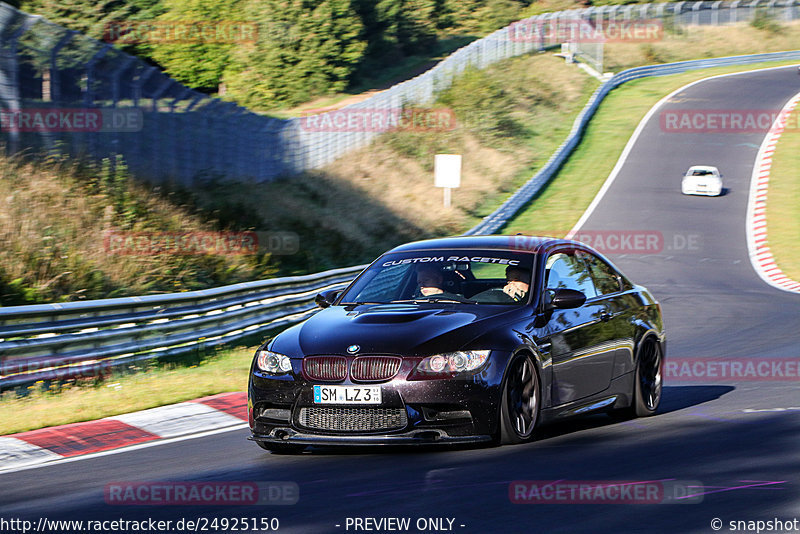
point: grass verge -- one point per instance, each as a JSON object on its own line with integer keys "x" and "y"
{"x": 783, "y": 214}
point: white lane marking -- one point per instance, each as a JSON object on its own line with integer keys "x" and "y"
{"x": 178, "y": 419}
{"x": 17, "y": 453}
{"x": 757, "y": 410}
{"x": 122, "y": 450}
{"x": 757, "y": 243}
{"x": 632, "y": 141}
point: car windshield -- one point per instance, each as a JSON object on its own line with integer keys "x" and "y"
{"x": 701, "y": 172}
{"x": 452, "y": 276}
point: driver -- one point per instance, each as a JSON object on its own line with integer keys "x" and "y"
{"x": 429, "y": 280}
{"x": 431, "y": 283}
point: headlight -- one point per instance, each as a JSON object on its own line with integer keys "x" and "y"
{"x": 453, "y": 362}
{"x": 273, "y": 363}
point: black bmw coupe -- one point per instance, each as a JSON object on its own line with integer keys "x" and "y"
{"x": 466, "y": 339}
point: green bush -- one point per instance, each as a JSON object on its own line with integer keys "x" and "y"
{"x": 482, "y": 105}
{"x": 765, "y": 21}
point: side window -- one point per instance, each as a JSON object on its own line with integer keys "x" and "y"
{"x": 570, "y": 272}
{"x": 605, "y": 278}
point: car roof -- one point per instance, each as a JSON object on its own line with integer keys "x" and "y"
{"x": 709, "y": 168}
{"x": 520, "y": 243}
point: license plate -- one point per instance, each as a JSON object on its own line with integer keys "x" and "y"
{"x": 347, "y": 394}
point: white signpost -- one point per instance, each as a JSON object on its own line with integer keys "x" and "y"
{"x": 447, "y": 174}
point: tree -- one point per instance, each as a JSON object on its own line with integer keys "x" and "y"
{"x": 481, "y": 16}
{"x": 89, "y": 17}
{"x": 304, "y": 48}
{"x": 398, "y": 27}
{"x": 199, "y": 56}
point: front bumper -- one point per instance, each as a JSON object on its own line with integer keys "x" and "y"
{"x": 421, "y": 412}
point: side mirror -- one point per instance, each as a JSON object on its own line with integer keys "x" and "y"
{"x": 567, "y": 298}
{"x": 326, "y": 298}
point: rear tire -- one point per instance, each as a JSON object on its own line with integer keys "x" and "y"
{"x": 281, "y": 448}
{"x": 519, "y": 409}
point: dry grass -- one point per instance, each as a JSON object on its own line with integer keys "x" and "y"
{"x": 701, "y": 42}
{"x": 53, "y": 220}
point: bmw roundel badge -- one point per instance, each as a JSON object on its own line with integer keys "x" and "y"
{"x": 352, "y": 349}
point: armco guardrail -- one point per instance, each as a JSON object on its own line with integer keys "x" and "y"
{"x": 169, "y": 131}
{"x": 497, "y": 219}
{"x": 52, "y": 341}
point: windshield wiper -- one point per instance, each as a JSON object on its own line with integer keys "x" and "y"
{"x": 421, "y": 300}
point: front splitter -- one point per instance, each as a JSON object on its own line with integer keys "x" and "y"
{"x": 426, "y": 437}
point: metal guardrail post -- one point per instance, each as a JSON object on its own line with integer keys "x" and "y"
{"x": 88, "y": 92}
{"x": 116, "y": 74}
{"x": 55, "y": 78}
{"x": 734, "y": 10}
{"x": 10, "y": 71}
{"x": 715, "y": 7}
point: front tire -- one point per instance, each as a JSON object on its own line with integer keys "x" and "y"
{"x": 519, "y": 409}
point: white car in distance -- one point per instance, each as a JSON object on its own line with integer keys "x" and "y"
{"x": 702, "y": 180}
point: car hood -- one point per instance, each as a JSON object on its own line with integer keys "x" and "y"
{"x": 405, "y": 329}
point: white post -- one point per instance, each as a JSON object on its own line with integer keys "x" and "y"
{"x": 447, "y": 174}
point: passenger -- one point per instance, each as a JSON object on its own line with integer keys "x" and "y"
{"x": 518, "y": 283}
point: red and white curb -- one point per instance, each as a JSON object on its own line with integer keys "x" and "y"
{"x": 77, "y": 439}
{"x": 757, "y": 244}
